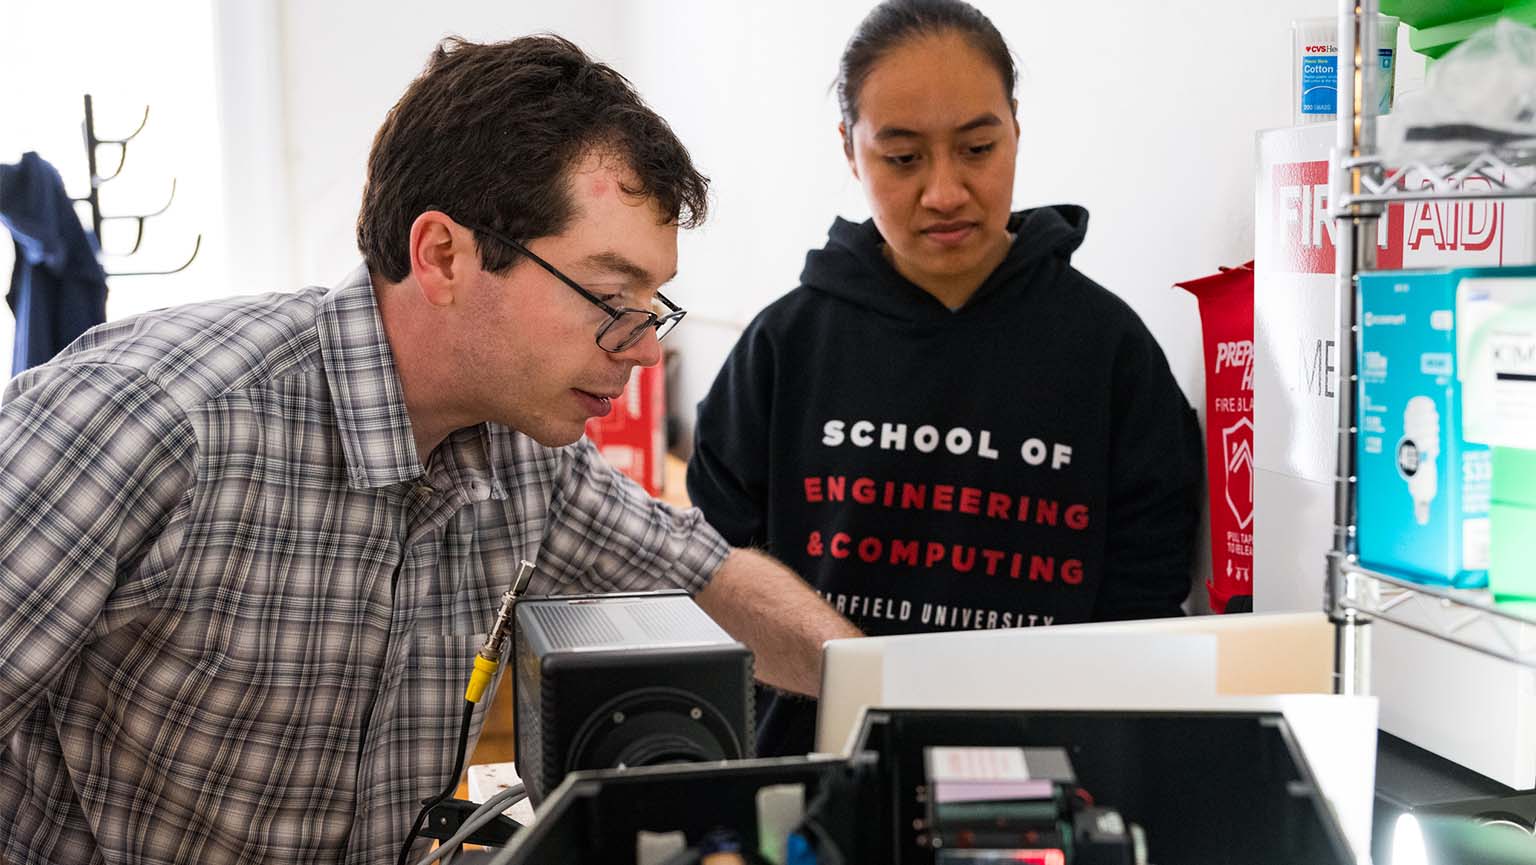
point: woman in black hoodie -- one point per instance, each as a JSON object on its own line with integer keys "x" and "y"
{"x": 947, "y": 426}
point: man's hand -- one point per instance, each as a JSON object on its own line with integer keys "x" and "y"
{"x": 762, "y": 603}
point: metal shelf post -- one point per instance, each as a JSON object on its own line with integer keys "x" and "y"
{"x": 1355, "y": 249}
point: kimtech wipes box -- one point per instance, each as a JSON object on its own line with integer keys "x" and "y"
{"x": 1423, "y": 489}
{"x": 1496, "y": 344}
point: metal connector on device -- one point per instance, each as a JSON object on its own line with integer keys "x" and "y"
{"x": 491, "y": 651}
{"x": 489, "y": 656}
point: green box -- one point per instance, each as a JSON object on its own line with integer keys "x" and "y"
{"x": 1522, "y": 608}
{"x": 1512, "y": 524}
{"x": 1437, "y": 40}
{"x": 1430, "y": 13}
{"x": 1514, "y": 477}
{"x": 1512, "y": 551}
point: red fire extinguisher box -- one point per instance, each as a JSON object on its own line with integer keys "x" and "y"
{"x": 1226, "y": 318}
{"x": 633, "y": 436}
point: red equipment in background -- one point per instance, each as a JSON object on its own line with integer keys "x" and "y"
{"x": 633, "y": 436}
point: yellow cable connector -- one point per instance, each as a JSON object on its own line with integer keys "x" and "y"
{"x": 480, "y": 679}
{"x": 489, "y": 656}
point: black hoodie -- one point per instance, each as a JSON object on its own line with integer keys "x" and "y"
{"x": 1027, "y": 459}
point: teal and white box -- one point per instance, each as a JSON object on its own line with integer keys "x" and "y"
{"x": 1423, "y": 491}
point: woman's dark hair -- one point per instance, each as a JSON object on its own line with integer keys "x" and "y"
{"x": 894, "y": 22}
{"x": 488, "y": 133}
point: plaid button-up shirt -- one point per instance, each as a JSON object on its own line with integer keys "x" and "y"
{"x": 237, "y": 615}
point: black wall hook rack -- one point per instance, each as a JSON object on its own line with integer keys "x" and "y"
{"x": 93, "y": 198}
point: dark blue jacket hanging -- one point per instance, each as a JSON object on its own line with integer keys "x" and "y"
{"x": 58, "y": 288}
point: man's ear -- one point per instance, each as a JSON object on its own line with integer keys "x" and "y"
{"x": 842, "y": 133}
{"x": 443, "y": 257}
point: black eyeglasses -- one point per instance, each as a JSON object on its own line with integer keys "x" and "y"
{"x": 625, "y": 325}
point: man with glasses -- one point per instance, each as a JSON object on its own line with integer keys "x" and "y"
{"x": 625, "y": 326}
{"x": 248, "y": 548}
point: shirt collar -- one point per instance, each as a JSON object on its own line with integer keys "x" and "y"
{"x": 376, "y": 433}
{"x": 365, "y": 386}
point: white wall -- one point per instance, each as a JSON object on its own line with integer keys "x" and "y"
{"x": 748, "y": 90}
{"x": 346, "y": 62}
{"x": 1145, "y": 113}
{"x": 127, "y": 56}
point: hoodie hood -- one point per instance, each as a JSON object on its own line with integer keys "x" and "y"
{"x": 853, "y": 267}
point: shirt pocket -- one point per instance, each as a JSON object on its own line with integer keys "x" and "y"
{"x": 432, "y": 699}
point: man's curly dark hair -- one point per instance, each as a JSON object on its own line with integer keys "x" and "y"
{"x": 489, "y": 133}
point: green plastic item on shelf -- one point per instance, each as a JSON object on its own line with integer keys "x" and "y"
{"x": 1435, "y": 41}
{"x": 1512, "y": 551}
{"x": 1518, "y": 607}
{"x": 1431, "y": 13}
{"x": 1512, "y": 524}
{"x": 1514, "y": 476}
